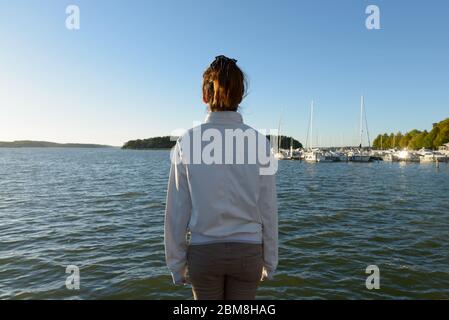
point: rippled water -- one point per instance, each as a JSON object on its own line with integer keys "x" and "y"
{"x": 102, "y": 210}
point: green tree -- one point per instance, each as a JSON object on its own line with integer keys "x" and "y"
{"x": 416, "y": 139}
{"x": 429, "y": 140}
{"x": 442, "y": 137}
{"x": 417, "y": 142}
{"x": 386, "y": 142}
{"x": 377, "y": 143}
{"x": 409, "y": 136}
{"x": 392, "y": 138}
{"x": 398, "y": 139}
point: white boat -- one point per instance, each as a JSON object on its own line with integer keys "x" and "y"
{"x": 314, "y": 155}
{"x": 279, "y": 153}
{"x": 359, "y": 155}
{"x": 338, "y": 156}
{"x": 444, "y": 150}
{"x": 329, "y": 156}
{"x": 293, "y": 154}
{"x": 427, "y": 156}
{"x": 341, "y": 155}
{"x": 407, "y": 156}
{"x": 389, "y": 156}
{"x": 440, "y": 157}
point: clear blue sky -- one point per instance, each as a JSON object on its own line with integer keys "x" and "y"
{"x": 134, "y": 69}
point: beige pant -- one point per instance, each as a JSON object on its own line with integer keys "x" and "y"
{"x": 225, "y": 271}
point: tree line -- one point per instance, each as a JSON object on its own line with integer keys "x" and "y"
{"x": 167, "y": 142}
{"x": 287, "y": 141}
{"x": 415, "y": 139}
{"x": 151, "y": 143}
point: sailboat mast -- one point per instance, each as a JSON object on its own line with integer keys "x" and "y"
{"x": 366, "y": 124}
{"x": 361, "y": 121}
{"x": 279, "y": 135}
{"x": 311, "y": 125}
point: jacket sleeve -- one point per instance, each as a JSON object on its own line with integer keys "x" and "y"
{"x": 269, "y": 216}
{"x": 177, "y": 216}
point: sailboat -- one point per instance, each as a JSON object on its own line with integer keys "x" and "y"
{"x": 359, "y": 155}
{"x": 290, "y": 155}
{"x": 279, "y": 154}
{"x": 293, "y": 154}
{"x": 312, "y": 155}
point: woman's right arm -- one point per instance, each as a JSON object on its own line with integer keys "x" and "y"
{"x": 269, "y": 215}
{"x": 177, "y": 216}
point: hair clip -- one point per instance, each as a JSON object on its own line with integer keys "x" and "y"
{"x": 220, "y": 61}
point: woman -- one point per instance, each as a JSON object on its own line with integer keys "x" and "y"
{"x": 221, "y": 226}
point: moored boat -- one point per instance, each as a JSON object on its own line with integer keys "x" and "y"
{"x": 407, "y": 156}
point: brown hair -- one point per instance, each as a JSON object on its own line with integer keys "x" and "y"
{"x": 224, "y": 85}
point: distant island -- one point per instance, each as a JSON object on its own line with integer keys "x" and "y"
{"x": 46, "y": 144}
{"x": 286, "y": 142}
{"x": 150, "y": 143}
{"x": 167, "y": 142}
{"x": 415, "y": 139}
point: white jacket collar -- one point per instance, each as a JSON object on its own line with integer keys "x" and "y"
{"x": 224, "y": 117}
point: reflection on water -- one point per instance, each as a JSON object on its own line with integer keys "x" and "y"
{"x": 102, "y": 210}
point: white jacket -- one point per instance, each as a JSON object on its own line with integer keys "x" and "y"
{"x": 219, "y": 194}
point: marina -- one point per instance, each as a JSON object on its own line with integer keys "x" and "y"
{"x": 354, "y": 154}
{"x": 360, "y": 153}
